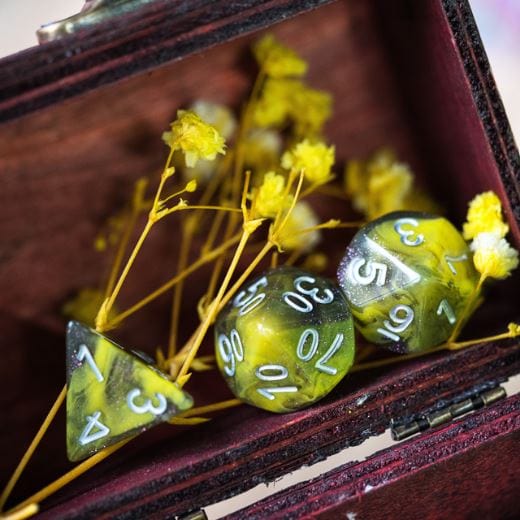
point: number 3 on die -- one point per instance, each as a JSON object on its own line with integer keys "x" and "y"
{"x": 302, "y": 301}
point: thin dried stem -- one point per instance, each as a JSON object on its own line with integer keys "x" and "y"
{"x": 202, "y": 410}
{"x": 69, "y": 476}
{"x": 187, "y": 236}
{"x": 32, "y": 447}
{"x": 21, "y": 514}
{"x": 213, "y": 308}
{"x": 173, "y": 281}
{"x": 274, "y": 259}
{"x": 136, "y": 208}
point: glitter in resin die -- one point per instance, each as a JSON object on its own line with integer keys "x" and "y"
{"x": 407, "y": 277}
{"x": 286, "y": 340}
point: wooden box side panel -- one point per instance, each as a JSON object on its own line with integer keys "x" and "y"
{"x": 247, "y": 446}
{"x": 453, "y": 102}
{"x": 468, "y": 469}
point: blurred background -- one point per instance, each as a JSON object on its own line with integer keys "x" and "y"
{"x": 498, "y": 20}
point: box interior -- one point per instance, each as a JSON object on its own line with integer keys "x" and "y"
{"x": 397, "y": 81}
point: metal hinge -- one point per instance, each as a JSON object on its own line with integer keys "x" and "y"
{"x": 198, "y": 514}
{"x": 448, "y": 414}
{"x": 92, "y": 13}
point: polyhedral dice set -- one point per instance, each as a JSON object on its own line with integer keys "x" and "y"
{"x": 287, "y": 338}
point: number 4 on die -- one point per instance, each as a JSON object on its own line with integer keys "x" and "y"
{"x": 112, "y": 394}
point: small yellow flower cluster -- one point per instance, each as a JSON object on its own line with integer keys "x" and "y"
{"x": 290, "y": 100}
{"x": 293, "y": 235}
{"x": 485, "y": 215}
{"x": 110, "y": 236}
{"x": 513, "y": 329}
{"x": 217, "y": 115}
{"x": 381, "y": 185}
{"x": 492, "y": 255}
{"x": 222, "y": 118}
{"x": 270, "y": 198}
{"x": 276, "y": 60}
{"x": 196, "y": 139}
{"x": 315, "y": 160}
{"x": 85, "y": 305}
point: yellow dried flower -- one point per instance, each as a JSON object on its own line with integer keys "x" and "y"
{"x": 85, "y": 306}
{"x": 291, "y": 236}
{"x": 513, "y": 329}
{"x": 112, "y": 232}
{"x": 225, "y": 122}
{"x": 309, "y": 109}
{"x": 388, "y": 188}
{"x": 284, "y": 100}
{"x": 277, "y": 60}
{"x": 219, "y": 116}
{"x": 380, "y": 185}
{"x": 270, "y": 196}
{"x": 273, "y": 106}
{"x": 485, "y": 216}
{"x": 191, "y": 186}
{"x": 196, "y": 139}
{"x": 314, "y": 159}
{"x": 493, "y": 256}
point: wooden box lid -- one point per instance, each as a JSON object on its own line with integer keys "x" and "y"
{"x": 81, "y": 120}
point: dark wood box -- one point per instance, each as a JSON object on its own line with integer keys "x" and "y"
{"x": 81, "y": 120}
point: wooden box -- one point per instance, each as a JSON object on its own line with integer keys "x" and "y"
{"x": 81, "y": 120}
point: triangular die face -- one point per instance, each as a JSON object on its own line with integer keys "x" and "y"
{"x": 372, "y": 273}
{"x": 112, "y": 394}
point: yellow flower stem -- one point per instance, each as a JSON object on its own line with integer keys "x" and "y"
{"x": 463, "y": 344}
{"x": 243, "y": 277}
{"x": 279, "y": 227}
{"x": 164, "y": 212}
{"x": 315, "y": 187}
{"x": 137, "y": 205}
{"x": 189, "y": 227}
{"x": 216, "y": 179}
{"x": 274, "y": 259}
{"x": 69, "y": 476}
{"x": 202, "y": 410}
{"x": 205, "y": 259}
{"x": 187, "y": 231}
{"x": 265, "y": 250}
{"x": 21, "y": 514}
{"x": 188, "y": 421}
{"x": 461, "y": 321}
{"x": 213, "y": 232}
{"x": 294, "y": 256}
{"x": 213, "y": 307}
{"x": 101, "y": 324}
{"x": 104, "y": 311}
{"x": 331, "y": 225}
{"x": 244, "y": 127}
{"x": 32, "y": 447}
{"x": 445, "y": 346}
